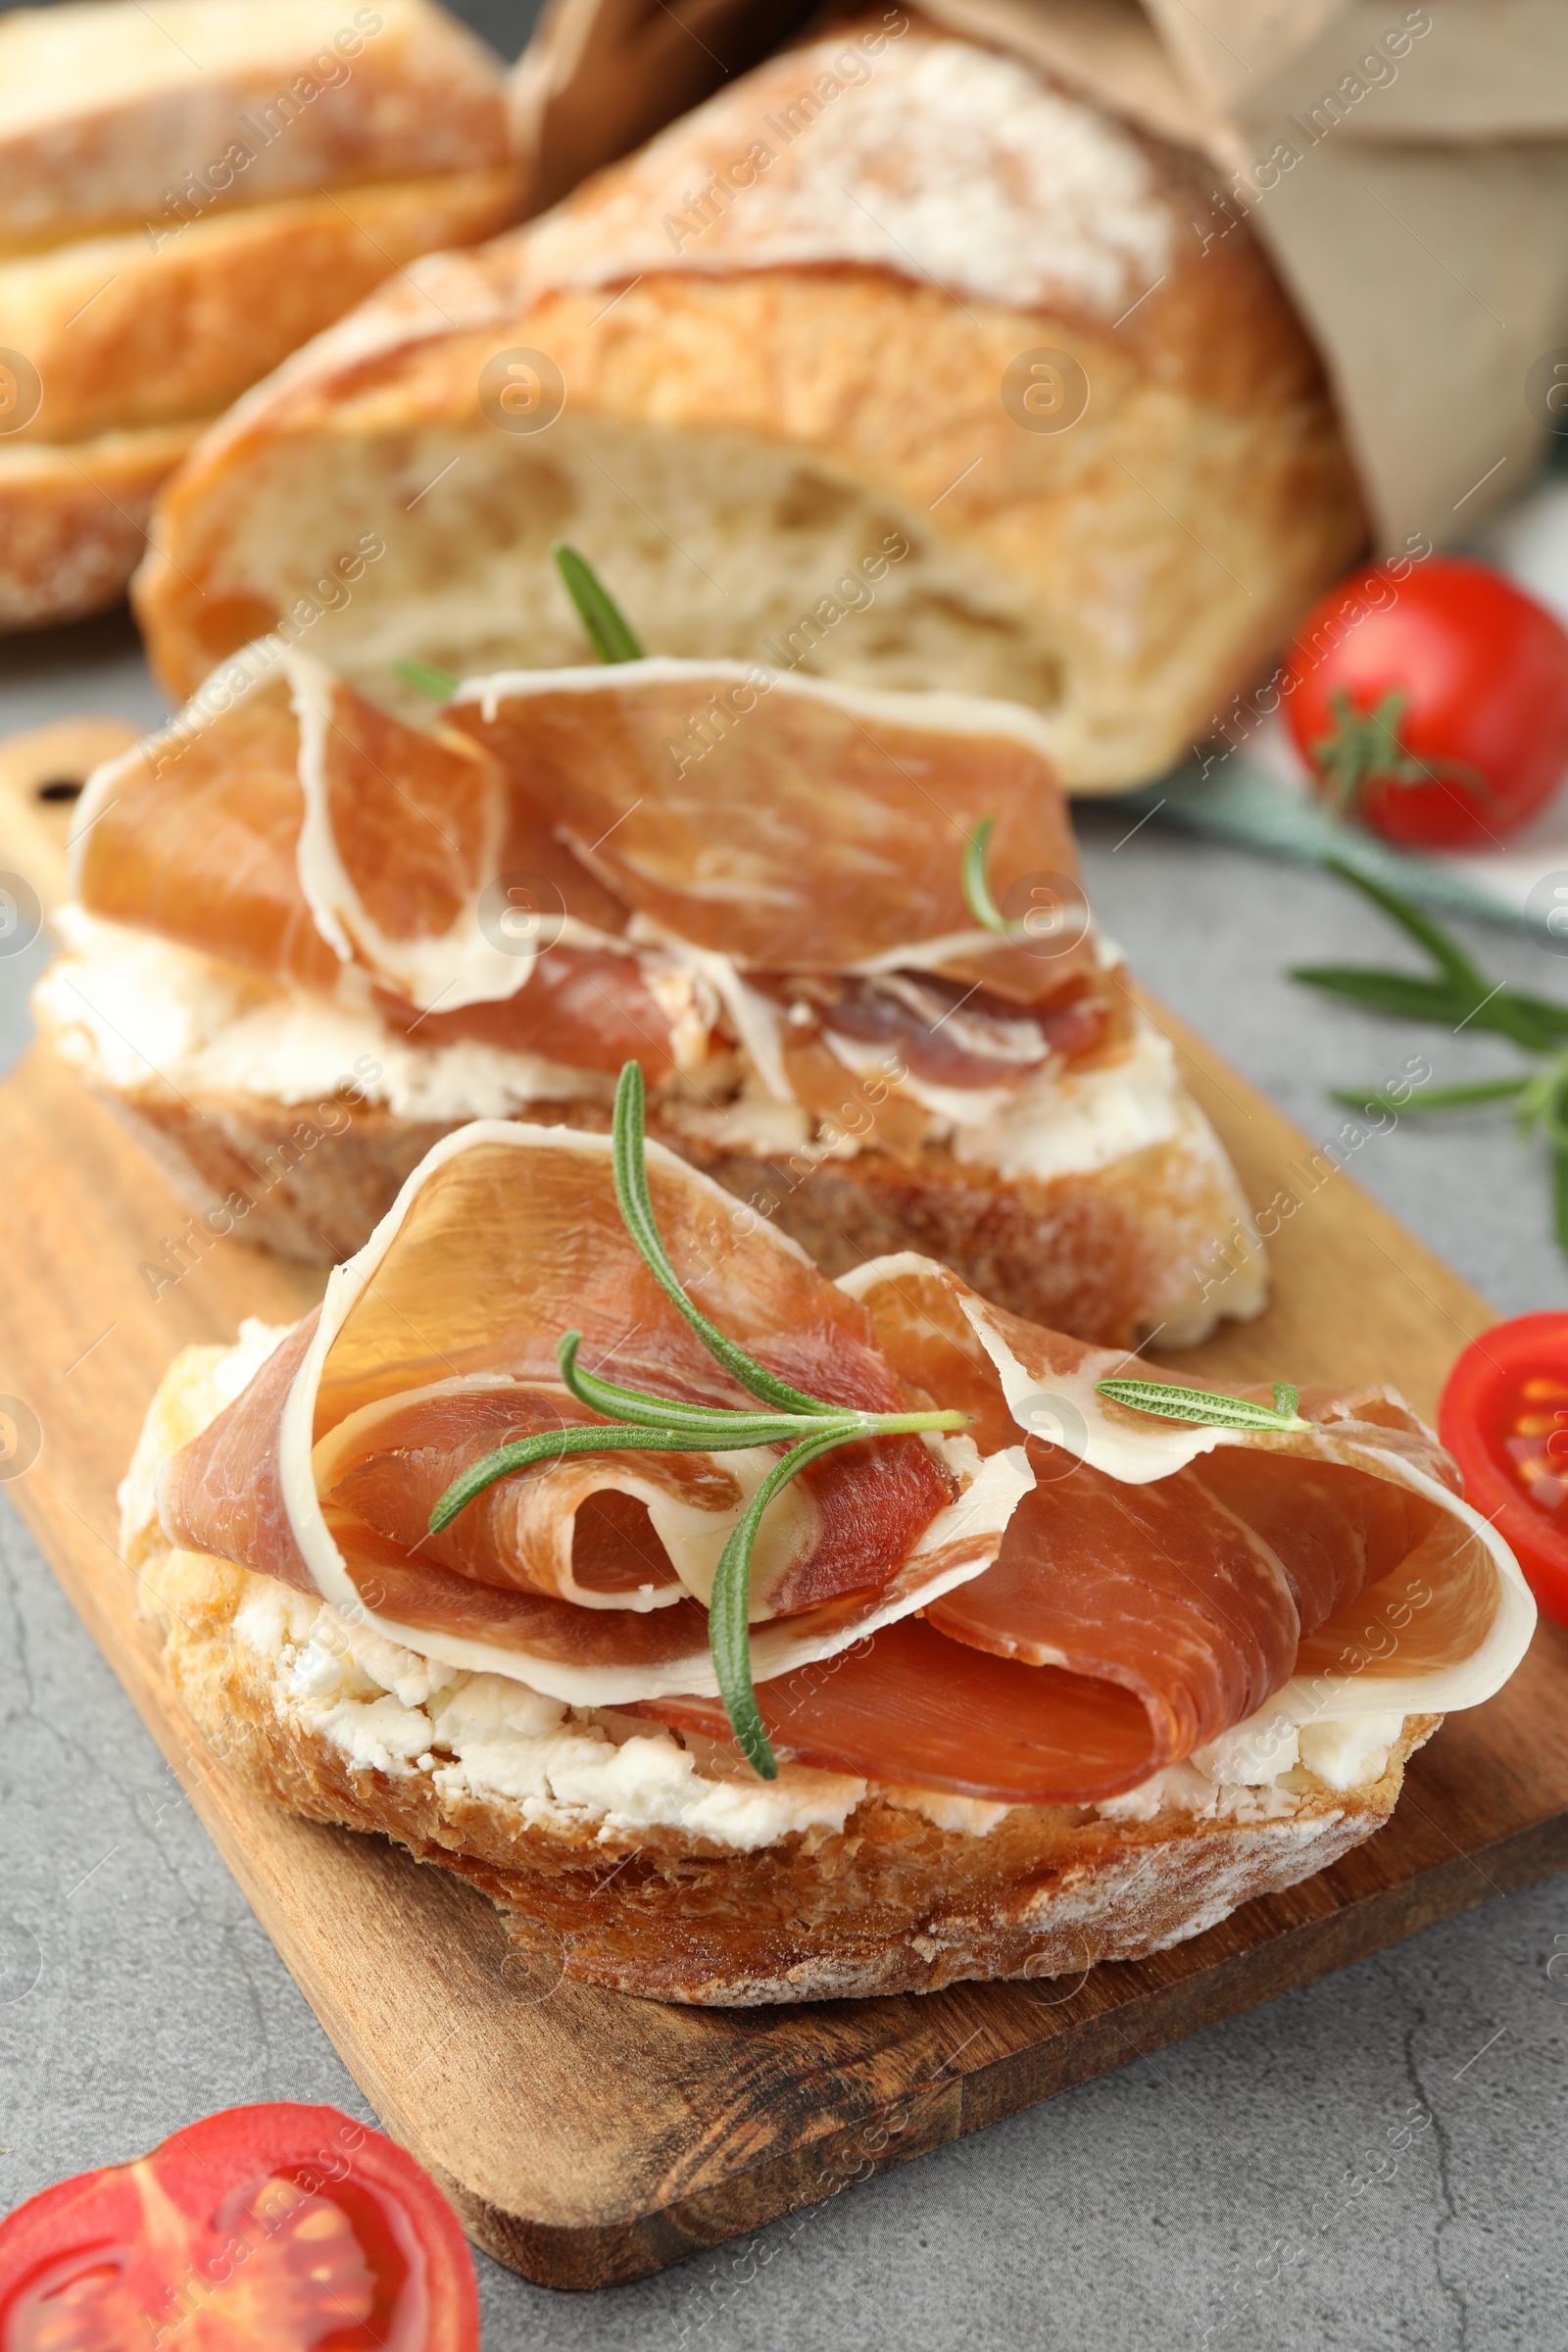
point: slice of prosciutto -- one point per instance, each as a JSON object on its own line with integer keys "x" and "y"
{"x": 536, "y": 872}
{"x": 796, "y": 825}
{"x": 1169, "y": 1578}
{"x": 588, "y": 1576}
{"x": 1047, "y": 1609}
{"x": 301, "y": 832}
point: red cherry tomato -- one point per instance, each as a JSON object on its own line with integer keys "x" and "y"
{"x": 1432, "y": 708}
{"x": 277, "y": 2229}
{"x": 1505, "y": 1419}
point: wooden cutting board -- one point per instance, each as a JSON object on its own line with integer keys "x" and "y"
{"x": 586, "y": 2137}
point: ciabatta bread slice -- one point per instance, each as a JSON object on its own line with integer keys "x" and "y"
{"x": 73, "y": 519}
{"x": 123, "y": 335}
{"x": 628, "y": 1855}
{"x": 112, "y": 114}
{"x": 182, "y": 204}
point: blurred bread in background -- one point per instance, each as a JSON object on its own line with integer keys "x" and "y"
{"x": 185, "y": 199}
{"x": 891, "y": 288}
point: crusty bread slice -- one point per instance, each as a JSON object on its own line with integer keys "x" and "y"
{"x": 123, "y": 335}
{"x": 185, "y": 199}
{"x": 136, "y": 350}
{"x": 855, "y": 1890}
{"x": 1113, "y": 1253}
{"x": 73, "y": 519}
{"x": 109, "y": 110}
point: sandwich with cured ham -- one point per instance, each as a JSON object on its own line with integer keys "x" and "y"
{"x": 749, "y": 1637}
{"x": 843, "y": 932}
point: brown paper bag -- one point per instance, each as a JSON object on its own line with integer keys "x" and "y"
{"x": 1406, "y": 167}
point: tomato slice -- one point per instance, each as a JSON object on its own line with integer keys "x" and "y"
{"x": 1505, "y": 1419}
{"x": 275, "y": 2229}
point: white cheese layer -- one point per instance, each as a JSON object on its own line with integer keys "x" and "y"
{"x": 1066, "y": 1124}
{"x": 132, "y": 1009}
{"x": 568, "y": 1769}
{"x": 486, "y": 1736}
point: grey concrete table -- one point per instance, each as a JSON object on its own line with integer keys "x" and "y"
{"x": 1205, "y": 2194}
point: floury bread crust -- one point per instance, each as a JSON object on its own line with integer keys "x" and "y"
{"x": 730, "y": 401}
{"x": 879, "y": 1892}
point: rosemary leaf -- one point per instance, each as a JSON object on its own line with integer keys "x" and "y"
{"x": 425, "y": 678}
{"x": 717, "y": 1428}
{"x": 610, "y": 632}
{"x": 1427, "y": 932}
{"x": 978, "y": 879}
{"x": 1551, "y": 1018}
{"x": 549, "y": 1446}
{"x": 636, "y": 1421}
{"x": 1534, "y": 1025}
{"x": 1437, "y": 1098}
{"x": 1544, "y": 1105}
{"x": 1403, "y": 994}
{"x": 729, "y": 1607}
{"x": 637, "y": 1208}
{"x": 1171, "y": 1402}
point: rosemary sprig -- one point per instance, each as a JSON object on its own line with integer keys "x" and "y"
{"x": 639, "y": 1421}
{"x": 1458, "y": 994}
{"x": 426, "y": 678}
{"x": 1174, "y": 1403}
{"x": 977, "y": 878}
{"x": 610, "y": 632}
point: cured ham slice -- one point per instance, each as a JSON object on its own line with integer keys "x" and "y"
{"x": 1048, "y": 1609}
{"x": 911, "y": 1707}
{"x": 540, "y": 881}
{"x": 306, "y": 835}
{"x": 805, "y": 827}
{"x": 439, "y": 1340}
{"x": 588, "y": 1008}
{"x": 199, "y": 842}
{"x": 606, "y": 1530}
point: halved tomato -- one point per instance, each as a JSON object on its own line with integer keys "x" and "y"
{"x": 275, "y": 2229}
{"x": 1505, "y": 1419}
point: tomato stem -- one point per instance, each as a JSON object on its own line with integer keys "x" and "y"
{"x": 1366, "y": 748}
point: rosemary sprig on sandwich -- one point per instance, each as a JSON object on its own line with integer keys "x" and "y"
{"x": 807, "y": 1425}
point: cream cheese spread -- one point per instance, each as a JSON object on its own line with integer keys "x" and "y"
{"x": 134, "y": 1010}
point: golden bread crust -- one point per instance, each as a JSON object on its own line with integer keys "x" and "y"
{"x": 136, "y": 349}
{"x": 124, "y": 334}
{"x": 120, "y": 111}
{"x": 74, "y": 520}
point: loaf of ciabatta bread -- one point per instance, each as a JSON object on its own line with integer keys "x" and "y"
{"x": 893, "y": 282}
